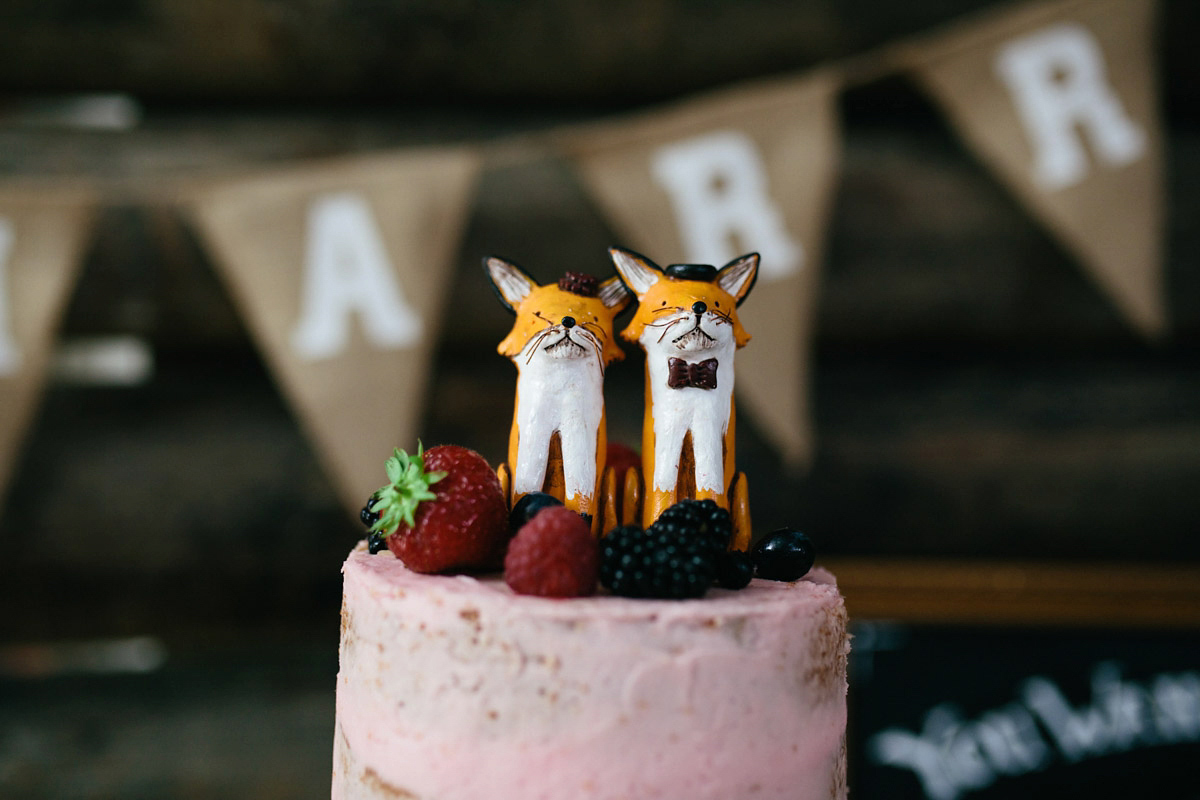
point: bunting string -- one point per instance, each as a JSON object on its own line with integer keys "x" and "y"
{"x": 340, "y": 267}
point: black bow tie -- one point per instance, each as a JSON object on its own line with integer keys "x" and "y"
{"x": 701, "y": 376}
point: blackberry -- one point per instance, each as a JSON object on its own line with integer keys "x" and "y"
{"x": 701, "y": 519}
{"x": 376, "y": 542}
{"x": 368, "y": 516}
{"x": 662, "y": 561}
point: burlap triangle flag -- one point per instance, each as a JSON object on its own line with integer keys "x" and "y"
{"x": 340, "y": 271}
{"x": 1059, "y": 99}
{"x": 42, "y": 238}
{"x": 750, "y": 169}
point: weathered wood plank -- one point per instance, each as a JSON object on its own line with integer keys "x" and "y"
{"x": 1019, "y": 593}
{"x": 246, "y": 714}
{"x": 544, "y": 51}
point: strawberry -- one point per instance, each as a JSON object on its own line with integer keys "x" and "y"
{"x": 443, "y": 510}
{"x": 553, "y": 555}
{"x": 621, "y": 457}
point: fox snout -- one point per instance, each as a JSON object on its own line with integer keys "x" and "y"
{"x": 566, "y": 340}
{"x": 693, "y": 330}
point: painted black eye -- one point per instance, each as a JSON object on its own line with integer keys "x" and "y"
{"x": 716, "y": 303}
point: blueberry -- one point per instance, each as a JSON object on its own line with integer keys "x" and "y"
{"x": 376, "y": 542}
{"x": 784, "y": 555}
{"x": 528, "y": 507}
{"x": 368, "y": 516}
{"x": 734, "y": 570}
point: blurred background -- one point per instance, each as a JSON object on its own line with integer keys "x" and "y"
{"x": 1005, "y": 475}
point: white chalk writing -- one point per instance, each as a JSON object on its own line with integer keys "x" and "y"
{"x": 953, "y": 756}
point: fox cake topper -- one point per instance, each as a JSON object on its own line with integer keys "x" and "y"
{"x": 561, "y": 342}
{"x": 687, "y": 323}
{"x": 670, "y": 523}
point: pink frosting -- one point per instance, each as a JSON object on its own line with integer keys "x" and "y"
{"x": 454, "y": 688}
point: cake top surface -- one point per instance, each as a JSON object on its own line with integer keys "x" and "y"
{"x": 384, "y": 575}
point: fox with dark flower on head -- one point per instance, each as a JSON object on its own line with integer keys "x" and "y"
{"x": 561, "y": 342}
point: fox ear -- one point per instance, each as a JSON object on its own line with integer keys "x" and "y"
{"x": 614, "y": 295}
{"x": 637, "y": 272}
{"x": 738, "y": 276}
{"x": 510, "y": 283}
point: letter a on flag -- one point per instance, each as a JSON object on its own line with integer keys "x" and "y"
{"x": 340, "y": 271}
{"x": 1059, "y": 100}
{"x": 748, "y": 170}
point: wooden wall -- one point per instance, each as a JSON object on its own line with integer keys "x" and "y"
{"x": 997, "y": 450}
{"x": 975, "y": 395}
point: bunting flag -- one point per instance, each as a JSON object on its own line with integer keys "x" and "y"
{"x": 720, "y": 176}
{"x": 42, "y": 236}
{"x": 340, "y": 271}
{"x": 1059, "y": 99}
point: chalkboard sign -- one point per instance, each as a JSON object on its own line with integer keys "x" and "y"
{"x": 982, "y": 714}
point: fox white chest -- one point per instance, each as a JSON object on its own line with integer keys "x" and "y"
{"x": 704, "y": 413}
{"x": 563, "y": 396}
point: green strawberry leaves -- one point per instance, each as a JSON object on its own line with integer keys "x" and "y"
{"x": 408, "y": 487}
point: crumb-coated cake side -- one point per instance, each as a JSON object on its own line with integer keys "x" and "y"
{"x": 456, "y": 688}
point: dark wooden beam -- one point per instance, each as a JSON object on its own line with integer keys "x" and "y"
{"x": 1019, "y": 593}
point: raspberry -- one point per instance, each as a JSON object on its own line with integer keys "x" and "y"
{"x": 443, "y": 510}
{"x": 621, "y": 457}
{"x": 553, "y": 555}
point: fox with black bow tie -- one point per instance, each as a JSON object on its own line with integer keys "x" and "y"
{"x": 561, "y": 341}
{"x": 687, "y": 323}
